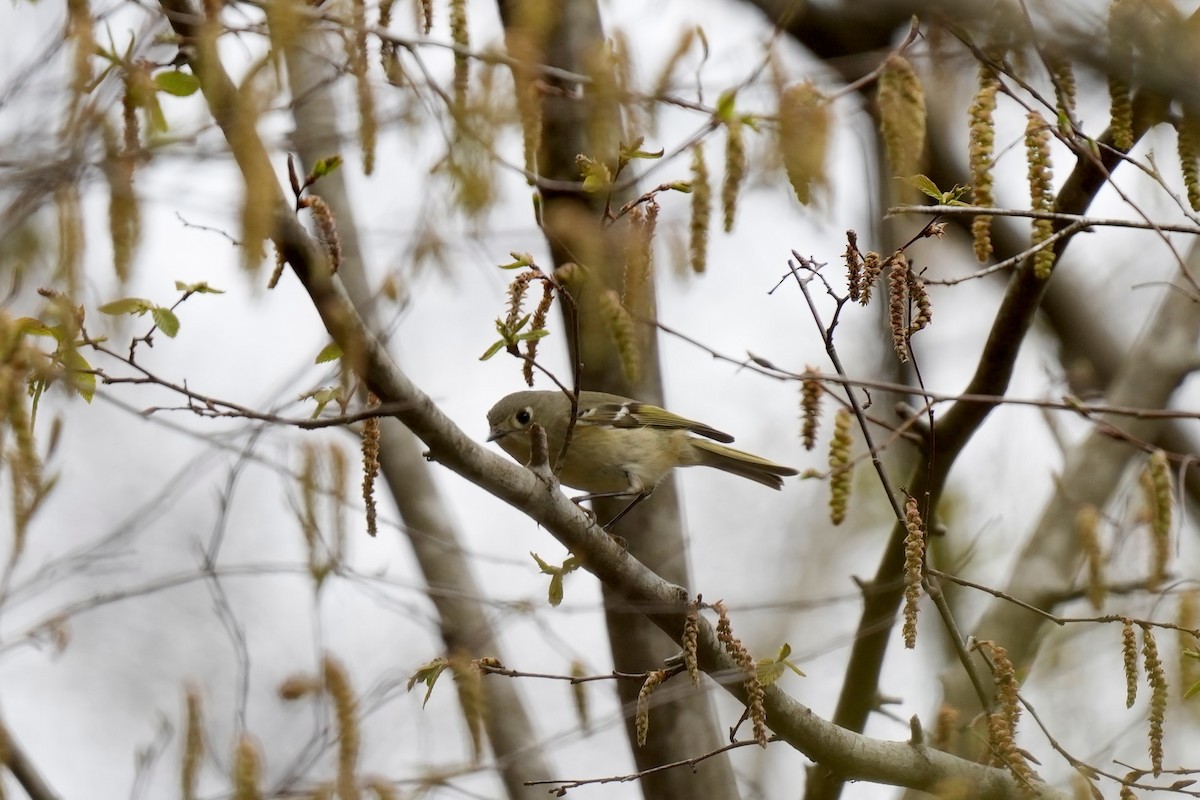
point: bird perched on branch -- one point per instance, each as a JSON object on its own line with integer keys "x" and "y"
{"x": 620, "y": 448}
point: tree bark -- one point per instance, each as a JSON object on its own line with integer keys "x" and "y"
{"x": 575, "y": 227}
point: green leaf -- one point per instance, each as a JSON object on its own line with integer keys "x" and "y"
{"x": 127, "y": 305}
{"x": 1192, "y": 691}
{"x": 555, "y": 595}
{"x": 35, "y": 327}
{"x": 174, "y": 82}
{"x": 330, "y": 352}
{"x": 725, "y": 105}
{"x": 542, "y": 565}
{"x": 532, "y": 336}
{"x": 197, "y": 288}
{"x": 634, "y": 150}
{"x": 522, "y": 260}
{"x": 324, "y": 166}
{"x": 681, "y": 186}
{"x": 324, "y": 396}
{"x": 925, "y": 186}
{"x": 81, "y": 377}
{"x": 428, "y": 675}
{"x": 596, "y": 175}
{"x": 771, "y": 669}
{"x": 166, "y": 320}
{"x": 491, "y": 351}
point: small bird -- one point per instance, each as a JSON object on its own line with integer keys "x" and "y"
{"x": 620, "y": 447}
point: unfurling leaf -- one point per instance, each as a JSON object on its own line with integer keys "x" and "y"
{"x": 174, "y": 82}
{"x": 330, "y": 352}
{"x": 201, "y": 287}
{"x": 925, "y": 186}
{"x": 80, "y": 374}
{"x": 166, "y": 320}
{"x": 127, "y": 305}
{"x": 323, "y": 167}
{"x": 428, "y": 675}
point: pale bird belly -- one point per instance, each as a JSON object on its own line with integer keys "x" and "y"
{"x": 603, "y": 459}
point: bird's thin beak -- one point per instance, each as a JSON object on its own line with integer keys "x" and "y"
{"x": 495, "y": 434}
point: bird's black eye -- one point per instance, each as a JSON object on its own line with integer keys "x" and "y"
{"x": 524, "y": 416}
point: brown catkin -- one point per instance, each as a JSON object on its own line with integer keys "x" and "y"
{"x": 1120, "y": 63}
{"x": 901, "y": 102}
{"x": 1157, "y": 678}
{"x": 914, "y": 560}
{"x": 247, "y": 770}
{"x": 124, "y": 216}
{"x": 1004, "y": 674}
{"x": 70, "y": 236}
{"x": 1064, "y": 84}
{"x": 388, "y": 60}
{"x": 1160, "y": 523}
{"x": 345, "y": 708}
{"x": 872, "y": 269}
{"x": 81, "y": 28}
{"x": 1005, "y": 751}
{"x": 517, "y": 289}
{"x": 982, "y": 132}
{"x": 1188, "y": 620}
{"x": 810, "y": 408}
{"x": 1129, "y": 654}
{"x": 356, "y": 46}
{"x": 339, "y": 469}
{"x": 1041, "y": 190}
{"x": 854, "y": 267}
{"x": 945, "y": 729}
{"x": 277, "y": 273}
{"x": 460, "y": 35}
{"x": 1002, "y": 723}
{"x": 753, "y": 685}
{"x": 804, "y": 126}
{"x": 735, "y": 169}
{"x": 919, "y": 293}
{"x": 839, "y": 466}
{"x": 642, "y": 715}
{"x": 639, "y": 257}
{"x": 898, "y": 304}
{"x": 537, "y": 323}
{"x": 621, "y": 327}
{"x": 691, "y": 634}
{"x": 296, "y": 687}
{"x": 370, "y": 457}
{"x": 193, "y": 744}
{"x": 326, "y": 229}
{"x": 1087, "y": 528}
{"x": 1188, "y": 138}
{"x": 701, "y": 212}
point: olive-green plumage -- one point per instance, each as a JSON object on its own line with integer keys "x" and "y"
{"x": 620, "y": 447}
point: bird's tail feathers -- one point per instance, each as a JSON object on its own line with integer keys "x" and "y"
{"x": 742, "y": 463}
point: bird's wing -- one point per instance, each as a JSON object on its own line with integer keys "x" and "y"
{"x": 644, "y": 415}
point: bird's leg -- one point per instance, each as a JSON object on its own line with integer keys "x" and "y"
{"x": 636, "y": 490}
{"x": 626, "y": 510}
